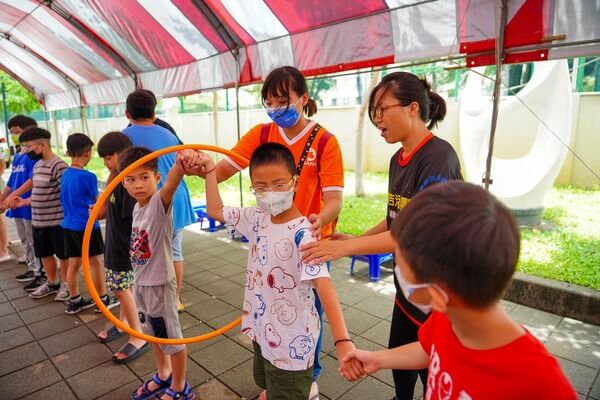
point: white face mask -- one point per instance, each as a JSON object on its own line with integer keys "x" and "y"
{"x": 409, "y": 288}
{"x": 274, "y": 203}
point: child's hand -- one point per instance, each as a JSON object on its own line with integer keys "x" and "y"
{"x": 188, "y": 159}
{"x": 351, "y": 369}
{"x": 316, "y": 225}
{"x": 368, "y": 359}
{"x": 17, "y": 202}
{"x": 6, "y": 203}
{"x": 204, "y": 165}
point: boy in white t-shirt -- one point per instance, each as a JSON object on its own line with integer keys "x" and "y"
{"x": 279, "y": 305}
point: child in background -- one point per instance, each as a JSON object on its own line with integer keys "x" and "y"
{"x": 46, "y": 210}
{"x": 152, "y": 260}
{"x": 456, "y": 251}
{"x": 79, "y": 190}
{"x": 279, "y": 313}
{"x": 21, "y": 172}
{"x": 119, "y": 273}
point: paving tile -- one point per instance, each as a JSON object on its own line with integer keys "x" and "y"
{"x": 540, "y": 323}
{"x": 508, "y": 306}
{"x": 16, "y": 293}
{"x": 42, "y": 312}
{"x": 197, "y": 331}
{"x": 595, "y": 392}
{"x": 10, "y": 283}
{"x": 3, "y": 298}
{"x": 59, "y": 390}
{"x": 201, "y": 279}
{"x": 243, "y": 340}
{"x": 349, "y": 296}
{"x": 221, "y": 356}
{"x": 195, "y": 374}
{"x": 331, "y": 384}
{"x": 229, "y": 269}
{"x": 359, "y": 321}
{"x": 579, "y": 330}
{"x": 219, "y": 250}
{"x": 214, "y": 390}
{"x": 54, "y": 325}
{"x": 239, "y": 278}
{"x": 580, "y": 376}
{"x": 379, "y": 333}
{"x": 20, "y": 357}
{"x": 369, "y": 388}
{"x": 100, "y": 380}
{"x": 67, "y": 340}
{"x": 27, "y": 302}
{"x": 124, "y": 392}
{"x": 376, "y": 306}
{"x": 6, "y": 309}
{"x": 577, "y": 349}
{"x": 9, "y": 322}
{"x": 187, "y": 320}
{"x": 194, "y": 296}
{"x": 28, "y": 380}
{"x": 210, "y": 309}
{"x": 222, "y": 287}
{"x": 81, "y": 358}
{"x": 14, "y": 338}
{"x": 241, "y": 380}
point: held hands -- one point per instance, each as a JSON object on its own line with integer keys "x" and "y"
{"x": 15, "y": 202}
{"x": 195, "y": 162}
{"x": 366, "y": 359}
{"x": 349, "y": 367}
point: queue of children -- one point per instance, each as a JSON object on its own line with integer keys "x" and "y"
{"x": 456, "y": 249}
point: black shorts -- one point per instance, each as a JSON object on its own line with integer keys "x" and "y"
{"x": 74, "y": 243}
{"x": 49, "y": 241}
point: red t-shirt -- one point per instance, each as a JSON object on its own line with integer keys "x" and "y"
{"x": 522, "y": 369}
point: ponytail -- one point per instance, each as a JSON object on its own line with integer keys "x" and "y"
{"x": 310, "y": 108}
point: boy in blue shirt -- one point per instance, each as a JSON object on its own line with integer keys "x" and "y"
{"x": 79, "y": 191}
{"x": 21, "y": 172}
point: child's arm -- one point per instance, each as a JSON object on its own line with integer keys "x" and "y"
{"x": 24, "y": 188}
{"x": 410, "y": 356}
{"x": 351, "y": 369}
{"x": 214, "y": 204}
{"x": 174, "y": 177}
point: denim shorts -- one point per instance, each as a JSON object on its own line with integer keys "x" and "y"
{"x": 177, "y": 245}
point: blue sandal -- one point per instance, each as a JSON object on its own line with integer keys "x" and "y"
{"x": 149, "y": 394}
{"x": 185, "y": 394}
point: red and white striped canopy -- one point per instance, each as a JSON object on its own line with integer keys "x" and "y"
{"x": 74, "y": 52}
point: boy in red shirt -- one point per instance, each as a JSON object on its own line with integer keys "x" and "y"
{"x": 456, "y": 251}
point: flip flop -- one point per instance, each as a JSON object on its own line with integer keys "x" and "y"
{"x": 112, "y": 333}
{"x": 131, "y": 352}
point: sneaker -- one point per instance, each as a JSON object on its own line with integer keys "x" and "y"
{"x": 44, "y": 290}
{"x": 22, "y": 260}
{"x": 81, "y": 303}
{"x": 63, "y": 293}
{"x": 35, "y": 283}
{"x": 314, "y": 392}
{"x": 109, "y": 302}
{"x": 26, "y": 277}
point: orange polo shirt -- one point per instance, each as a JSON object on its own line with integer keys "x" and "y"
{"x": 314, "y": 179}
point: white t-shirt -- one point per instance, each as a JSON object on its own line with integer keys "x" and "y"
{"x": 279, "y": 303}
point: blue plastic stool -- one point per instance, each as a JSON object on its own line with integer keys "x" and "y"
{"x": 200, "y": 210}
{"x": 374, "y": 261}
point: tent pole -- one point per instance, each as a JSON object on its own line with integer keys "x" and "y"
{"x": 5, "y": 112}
{"x": 487, "y": 179}
{"x": 236, "y": 55}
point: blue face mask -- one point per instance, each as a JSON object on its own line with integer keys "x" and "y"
{"x": 285, "y": 118}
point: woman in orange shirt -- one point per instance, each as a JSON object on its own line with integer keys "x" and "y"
{"x": 317, "y": 154}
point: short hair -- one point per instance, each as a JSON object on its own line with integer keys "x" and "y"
{"x": 133, "y": 154}
{"x": 34, "y": 133}
{"x": 113, "y": 143}
{"x": 21, "y": 121}
{"x": 77, "y": 144}
{"x": 272, "y": 153}
{"x": 140, "y": 104}
{"x": 458, "y": 235}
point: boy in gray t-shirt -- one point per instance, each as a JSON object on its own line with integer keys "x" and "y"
{"x": 152, "y": 261}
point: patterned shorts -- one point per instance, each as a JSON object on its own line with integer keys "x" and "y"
{"x": 118, "y": 280}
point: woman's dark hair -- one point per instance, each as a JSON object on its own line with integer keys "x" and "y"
{"x": 458, "y": 235}
{"x": 272, "y": 153}
{"x": 78, "y": 144}
{"x": 279, "y": 82}
{"x": 408, "y": 88}
{"x": 113, "y": 143}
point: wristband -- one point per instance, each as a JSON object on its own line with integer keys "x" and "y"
{"x": 210, "y": 170}
{"x": 341, "y": 340}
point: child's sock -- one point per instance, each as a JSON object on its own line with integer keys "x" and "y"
{"x": 75, "y": 298}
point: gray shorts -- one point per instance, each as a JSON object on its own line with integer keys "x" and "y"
{"x": 157, "y": 309}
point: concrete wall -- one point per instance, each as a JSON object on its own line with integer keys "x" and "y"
{"x": 342, "y": 121}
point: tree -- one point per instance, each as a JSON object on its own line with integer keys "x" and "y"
{"x": 317, "y": 86}
{"x": 19, "y": 100}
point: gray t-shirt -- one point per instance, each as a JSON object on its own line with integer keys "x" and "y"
{"x": 151, "y": 236}
{"x": 46, "y": 209}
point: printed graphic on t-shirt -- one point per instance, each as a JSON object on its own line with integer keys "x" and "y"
{"x": 140, "y": 247}
{"x": 439, "y": 382}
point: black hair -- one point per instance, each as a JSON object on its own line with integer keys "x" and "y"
{"x": 34, "y": 133}
{"x": 113, "y": 143}
{"x": 133, "y": 154}
{"x": 272, "y": 153}
{"x": 408, "y": 88}
{"x": 458, "y": 235}
{"x": 77, "y": 144}
{"x": 21, "y": 121}
{"x": 279, "y": 82}
{"x": 140, "y": 104}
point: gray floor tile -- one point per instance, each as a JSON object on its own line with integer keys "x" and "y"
{"x": 375, "y": 305}
{"x": 221, "y": 356}
{"x": 9, "y": 322}
{"x": 27, "y": 302}
{"x": 28, "y": 380}
{"x": 214, "y": 390}
{"x": 379, "y": 333}
{"x": 225, "y": 319}
{"x": 42, "y": 312}
{"x": 67, "y": 340}
{"x": 580, "y": 350}
{"x": 14, "y": 338}
{"x": 6, "y": 309}
{"x": 59, "y": 390}
{"x": 227, "y": 270}
{"x": 210, "y": 309}
{"x": 54, "y": 325}
{"x": 16, "y": 293}
{"x": 3, "y": 298}
{"x": 580, "y": 376}
{"x": 241, "y": 380}
{"x": 201, "y": 279}
{"x": 124, "y": 392}
{"x": 579, "y": 330}
{"x": 196, "y": 375}
{"x": 540, "y": 323}
{"x": 20, "y": 357}
{"x": 82, "y": 358}
{"x": 359, "y": 321}
{"x": 193, "y": 297}
{"x": 222, "y": 287}
{"x": 100, "y": 380}
{"x": 187, "y": 320}
{"x": 197, "y": 331}
{"x": 369, "y": 388}
{"x": 331, "y": 384}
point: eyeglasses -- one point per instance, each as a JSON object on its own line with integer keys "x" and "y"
{"x": 278, "y": 187}
{"x": 377, "y": 113}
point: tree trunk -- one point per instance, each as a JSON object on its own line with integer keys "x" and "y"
{"x": 215, "y": 115}
{"x": 362, "y": 113}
